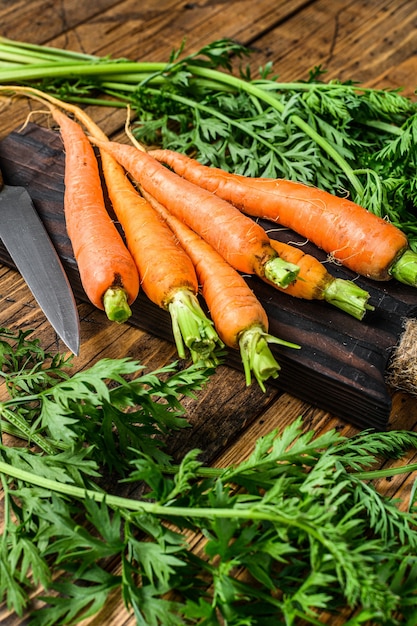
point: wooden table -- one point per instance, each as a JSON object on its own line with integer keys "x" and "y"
{"x": 373, "y": 42}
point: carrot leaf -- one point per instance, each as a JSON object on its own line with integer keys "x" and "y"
{"x": 300, "y": 517}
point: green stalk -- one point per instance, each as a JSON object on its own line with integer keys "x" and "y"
{"x": 347, "y": 296}
{"x": 129, "y": 504}
{"x": 28, "y": 59}
{"x": 44, "y": 52}
{"x": 116, "y": 305}
{"x": 251, "y": 513}
{"x": 12, "y": 430}
{"x": 75, "y": 70}
{"x": 23, "y": 430}
{"x": 192, "y": 327}
{"x": 256, "y": 355}
{"x": 405, "y": 268}
{"x": 247, "y": 512}
{"x": 386, "y": 473}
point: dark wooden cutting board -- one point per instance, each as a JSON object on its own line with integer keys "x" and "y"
{"x": 341, "y": 366}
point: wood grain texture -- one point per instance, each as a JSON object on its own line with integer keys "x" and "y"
{"x": 342, "y": 362}
{"x": 373, "y": 42}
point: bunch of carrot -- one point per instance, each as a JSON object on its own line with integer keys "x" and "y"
{"x": 186, "y": 228}
{"x": 168, "y": 273}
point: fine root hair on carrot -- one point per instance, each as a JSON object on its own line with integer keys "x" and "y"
{"x": 32, "y": 114}
{"x": 238, "y": 316}
{"x": 365, "y": 243}
{"x": 129, "y": 133}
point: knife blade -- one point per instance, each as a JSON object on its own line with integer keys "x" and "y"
{"x": 28, "y": 243}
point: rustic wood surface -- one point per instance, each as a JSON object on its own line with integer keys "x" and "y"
{"x": 373, "y": 42}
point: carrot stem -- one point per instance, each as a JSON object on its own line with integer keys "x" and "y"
{"x": 281, "y": 272}
{"x": 405, "y": 268}
{"x": 116, "y": 305}
{"x": 192, "y": 327}
{"x": 256, "y": 355}
{"x": 348, "y": 296}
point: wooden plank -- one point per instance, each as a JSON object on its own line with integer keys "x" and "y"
{"x": 17, "y": 19}
{"x": 350, "y": 40}
{"x": 163, "y": 26}
{"x": 341, "y": 365}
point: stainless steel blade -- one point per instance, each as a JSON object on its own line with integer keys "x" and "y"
{"x": 31, "y": 249}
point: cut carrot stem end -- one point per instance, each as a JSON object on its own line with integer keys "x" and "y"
{"x": 280, "y": 272}
{"x": 192, "y": 328}
{"x": 257, "y": 357}
{"x": 405, "y": 268}
{"x": 348, "y": 296}
{"x": 116, "y": 306}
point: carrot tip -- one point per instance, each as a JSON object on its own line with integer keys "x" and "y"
{"x": 192, "y": 328}
{"x": 405, "y": 268}
{"x": 116, "y": 306}
{"x": 348, "y": 296}
{"x": 257, "y": 356}
{"x": 280, "y": 272}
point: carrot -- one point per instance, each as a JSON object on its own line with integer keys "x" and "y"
{"x": 107, "y": 270}
{"x": 166, "y": 272}
{"x": 238, "y": 316}
{"x": 360, "y": 240}
{"x": 242, "y": 242}
{"x": 314, "y": 282}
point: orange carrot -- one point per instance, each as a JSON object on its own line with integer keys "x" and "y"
{"x": 167, "y": 274}
{"x": 242, "y": 242}
{"x": 108, "y": 273}
{"x": 358, "y": 239}
{"x": 238, "y": 316}
{"x": 314, "y": 282}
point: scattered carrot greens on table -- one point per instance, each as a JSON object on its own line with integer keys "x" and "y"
{"x": 296, "y": 529}
{"x": 339, "y": 136}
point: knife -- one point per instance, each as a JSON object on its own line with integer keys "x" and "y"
{"x": 30, "y": 247}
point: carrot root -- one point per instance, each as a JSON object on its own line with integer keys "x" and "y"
{"x": 193, "y": 328}
{"x": 404, "y": 269}
{"x": 281, "y": 272}
{"x": 347, "y": 296}
{"x": 116, "y": 305}
{"x": 257, "y": 357}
